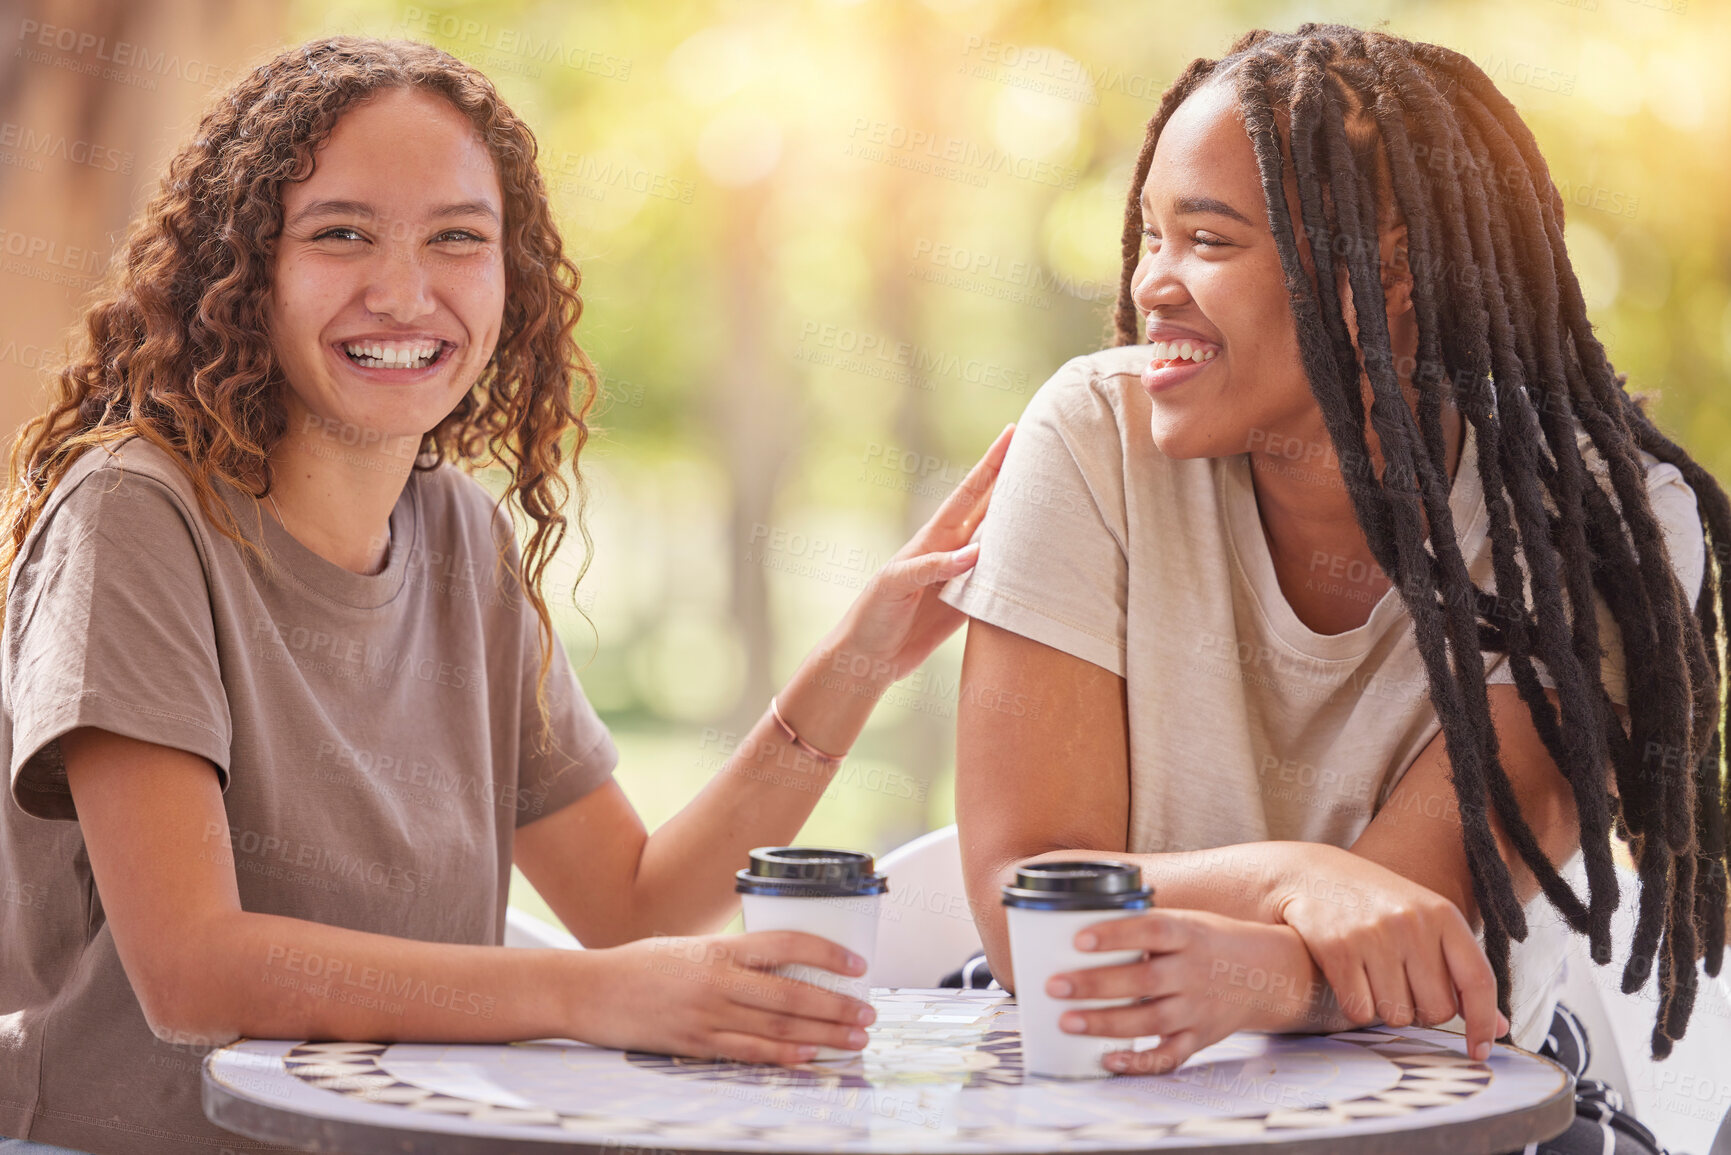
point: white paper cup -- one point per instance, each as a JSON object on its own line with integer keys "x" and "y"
{"x": 851, "y": 922}
{"x": 1050, "y": 904}
{"x": 833, "y": 894}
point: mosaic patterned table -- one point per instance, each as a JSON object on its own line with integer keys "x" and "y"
{"x": 942, "y": 1075}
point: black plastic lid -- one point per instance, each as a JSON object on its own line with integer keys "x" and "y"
{"x": 1080, "y": 885}
{"x": 810, "y": 872}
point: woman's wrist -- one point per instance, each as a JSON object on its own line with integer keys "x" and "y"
{"x": 1293, "y": 870}
{"x": 843, "y": 666}
{"x": 583, "y": 984}
{"x": 830, "y": 697}
{"x": 1278, "y": 985}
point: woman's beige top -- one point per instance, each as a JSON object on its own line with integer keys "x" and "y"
{"x": 1244, "y": 724}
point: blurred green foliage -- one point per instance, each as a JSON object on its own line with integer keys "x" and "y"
{"x": 829, "y": 249}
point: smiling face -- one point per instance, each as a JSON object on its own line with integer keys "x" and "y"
{"x": 1226, "y": 373}
{"x": 388, "y": 282}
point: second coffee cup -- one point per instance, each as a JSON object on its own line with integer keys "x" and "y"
{"x": 1046, "y": 906}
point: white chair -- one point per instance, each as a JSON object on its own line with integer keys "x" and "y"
{"x": 523, "y": 929}
{"x": 1683, "y": 1099}
{"x": 927, "y": 928}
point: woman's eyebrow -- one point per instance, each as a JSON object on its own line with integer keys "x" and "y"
{"x": 1198, "y": 206}
{"x": 467, "y": 209}
{"x": 332, "y": 208}
{"x": 348, "y": 208}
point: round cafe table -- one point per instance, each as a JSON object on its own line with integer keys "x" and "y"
{"x": 942, "y": 1075}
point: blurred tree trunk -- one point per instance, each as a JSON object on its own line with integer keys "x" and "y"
{"x": 95, "y": 96}
{"x": 923, "y": 737}
{"x": 750, "y": 405}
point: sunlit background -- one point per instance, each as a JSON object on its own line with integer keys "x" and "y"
{"x": 829, "y": 250}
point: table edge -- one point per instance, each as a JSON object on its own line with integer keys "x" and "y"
{"x": 230, "y": 1109}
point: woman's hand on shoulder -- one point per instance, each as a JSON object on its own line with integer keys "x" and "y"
{"x": 898, "y": 620}
{"x": 1393, "y": 950}
{"x": 718, "y": 997}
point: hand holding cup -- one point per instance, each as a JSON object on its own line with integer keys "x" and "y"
{"x": 833, "y": 894}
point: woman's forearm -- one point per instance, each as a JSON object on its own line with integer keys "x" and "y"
{"x": 267, "y": 976}
{"x": 1276, "y": 985}
{"x": 761, "y": 796}
{"x": 682, "y": 875}
{"x": 1242, "y": 881}
{"x": 1245, "y": 881}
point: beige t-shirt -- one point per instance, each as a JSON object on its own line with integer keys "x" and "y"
{"x": 1244, "y": 724}
{"x": 375, "y": 738}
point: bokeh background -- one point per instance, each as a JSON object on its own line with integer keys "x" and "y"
{"x": 829, "y": 250}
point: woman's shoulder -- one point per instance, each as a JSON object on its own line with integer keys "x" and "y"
{"x": 131, "y": 480}
{"x": 1094, "y": 387}
{"x": 123, "y": 514}
{"x": 1096, "y": 406}
{"x": 1086, "y": 403}
{"x": 1673, "y": 500}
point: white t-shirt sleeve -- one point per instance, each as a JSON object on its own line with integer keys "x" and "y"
{"x": 1679, "y": 520}
{"x": 1053, "y": 546}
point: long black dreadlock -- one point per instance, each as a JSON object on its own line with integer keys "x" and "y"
{"x": 1503, "y": 328}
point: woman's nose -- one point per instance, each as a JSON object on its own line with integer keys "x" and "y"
{"x": 399, "y": 288}
{"x": 1154, "y": 284}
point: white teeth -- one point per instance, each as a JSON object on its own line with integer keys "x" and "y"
{"x": 393, "y": 354}
{"x": 1181, "y": 351}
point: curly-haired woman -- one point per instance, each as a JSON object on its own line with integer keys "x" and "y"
{"x": 1249, "y": 561}
{"x": 279, "y": 675}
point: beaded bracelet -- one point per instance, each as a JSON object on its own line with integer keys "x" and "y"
{"x": 800, "y": 743}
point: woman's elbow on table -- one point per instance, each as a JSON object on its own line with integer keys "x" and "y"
{"x": 158, "y": 840}
{"x": 179, "y": 1014}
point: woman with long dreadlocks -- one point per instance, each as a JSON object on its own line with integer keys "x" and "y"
{"x": 1247, "y": 571}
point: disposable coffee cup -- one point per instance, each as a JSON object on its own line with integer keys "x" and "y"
{"x": 834, "y": 894}
{"x": 1046, "y": 906}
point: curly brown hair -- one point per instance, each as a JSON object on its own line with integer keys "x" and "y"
{"x": 175, "y": 349}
